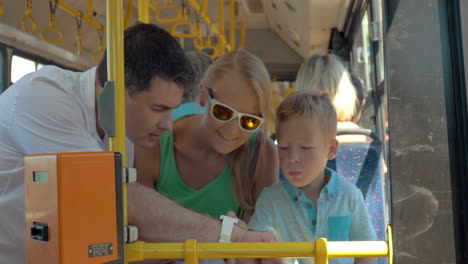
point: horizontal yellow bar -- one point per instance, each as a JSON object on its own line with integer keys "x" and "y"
{"x": 343, "y": 249}
{"x": 140, "y": 250}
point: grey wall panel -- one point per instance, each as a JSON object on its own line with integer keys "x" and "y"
{"x": 420, "y": 173}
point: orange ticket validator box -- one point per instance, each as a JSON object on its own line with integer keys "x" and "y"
{"x": 74, "y": 208}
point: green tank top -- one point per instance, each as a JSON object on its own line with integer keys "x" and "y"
{"x": 215, "y": 199}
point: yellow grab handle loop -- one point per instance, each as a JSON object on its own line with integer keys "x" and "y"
{"x": 168, "y": 6}
{"x": 52, "y": 25}
{"x": 153, "y": 6}
{"x": 208, "y": 47}
{"x": 28, "y": 17}
{"x": 79, "y": 34}
{"x": 198, "y": 42}
{"x": 1, "y": 8}
{"x": 97, "y": 55}
{"x": 184, "y": 23}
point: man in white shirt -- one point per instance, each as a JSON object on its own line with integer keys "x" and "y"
{"x": 54, "y": 110}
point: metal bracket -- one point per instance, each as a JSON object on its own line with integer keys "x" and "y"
{"x": 106, "y": 111}
{"x": 130, "y": 234}
{"x": 129, "y": 175}
{"x": 376, "y": 31}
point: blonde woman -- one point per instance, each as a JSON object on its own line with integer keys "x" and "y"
{"x": 327, "y": 73}
{"x": 221, "y": 160}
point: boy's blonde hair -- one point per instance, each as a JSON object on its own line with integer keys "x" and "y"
{"x": 327, "y": 73}
{"x": 308, "y": 104}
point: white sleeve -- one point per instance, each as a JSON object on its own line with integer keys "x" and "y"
{"x": 48, "y": 119}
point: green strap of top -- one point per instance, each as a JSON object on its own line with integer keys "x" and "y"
{"x": 215, "y": 199}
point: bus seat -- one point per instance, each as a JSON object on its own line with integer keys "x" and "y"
{"x": 361, "y": 164}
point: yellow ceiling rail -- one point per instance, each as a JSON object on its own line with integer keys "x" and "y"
{"x": 128, "y": 13}
{"x": 203, "y": 15}
{"x": 28, "y": 16}
{"x": 232, "y": 24}
{"x": 88, "y": 18}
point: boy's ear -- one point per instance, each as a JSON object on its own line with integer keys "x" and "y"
{"x": 333, "y": 150}
{"x": 202, "y": 94}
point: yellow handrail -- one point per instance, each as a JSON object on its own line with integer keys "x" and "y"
{"x": 154, "y": 5}
{"x": 221, "y": 41}
{"x": 168, "y": 5}
{"x": 143, "y": 11}
{"x": 186, "y": 23}
{"x": 115, "y": 72}
{"x": 115, "y": 65}
{"x": 52, "y": 25}
{"x": 203, "y": 15}
{"x": 321, "y": 249}
{"x": 242, "y": 35}
{"x": 232, "y": 24}
{"x": 128, "y": 13}
{"x": 101, "y": 48}
{"x": 90, "y": 9}
{"x": 29, "y": 16}
{"x": 89, "y": 18}
{"x": 79, "y": 34}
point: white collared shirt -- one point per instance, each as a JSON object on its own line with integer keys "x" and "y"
{"x": 49, "y": 111}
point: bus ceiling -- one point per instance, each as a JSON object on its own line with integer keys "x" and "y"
{"x": 290, "y": 29}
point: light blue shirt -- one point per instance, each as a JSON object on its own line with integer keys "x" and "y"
{"x": 284, "y": 210}
{"x": 191, "y": 108}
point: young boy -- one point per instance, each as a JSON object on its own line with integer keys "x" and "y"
{"x": 311, "y": 202}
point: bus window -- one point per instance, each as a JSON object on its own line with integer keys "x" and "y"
{"x": 21, "y": 66}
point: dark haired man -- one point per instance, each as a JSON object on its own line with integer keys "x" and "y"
{"x": 55, "y": 110}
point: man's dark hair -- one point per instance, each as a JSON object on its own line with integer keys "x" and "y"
{"x": 150, "y": 51}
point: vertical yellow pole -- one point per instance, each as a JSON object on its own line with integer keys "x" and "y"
{"x": 222, "y": 32}
{"x": 242, "y": 35}
{"x": 232, "y": 23}
{"x": 204, "y": 7}
{"x": 128, "y": 13}
{"x": 91, "y": 9}
{"x": 321, "y": 251}
{"x": 115, "y": 72}
{"x": 191, "y": 252}
{"x": 143, "y": 11}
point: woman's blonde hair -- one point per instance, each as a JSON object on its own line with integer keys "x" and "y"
{"x": 244, "y": 161}
{"x": 309, "y": 104}
{"x": 327, "y": 73}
